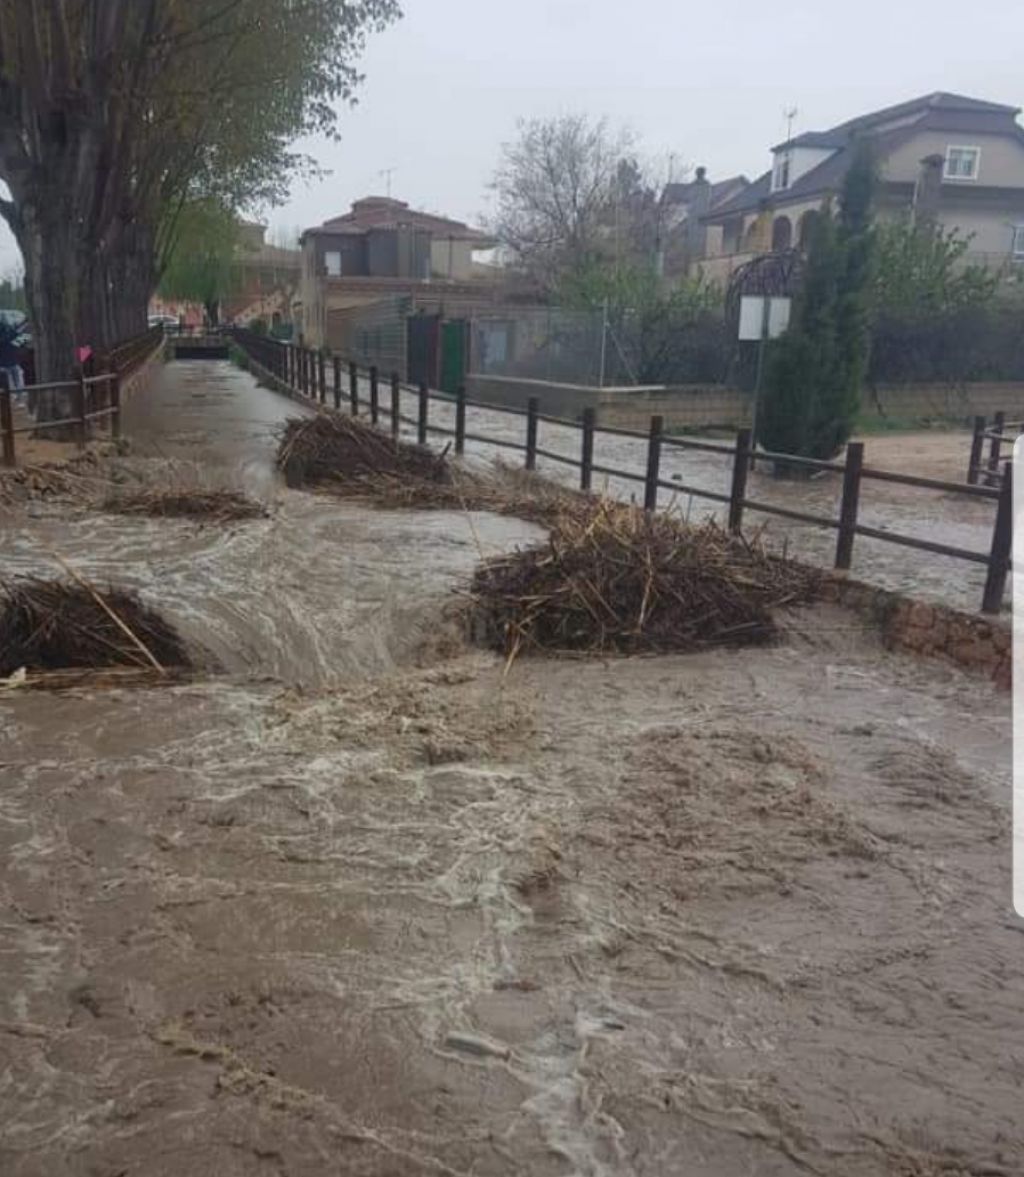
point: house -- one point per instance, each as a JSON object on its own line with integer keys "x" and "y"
{"x": 684, "y": 208}
{"x": 955, "y": 160}
{"x": 380, "y": 250}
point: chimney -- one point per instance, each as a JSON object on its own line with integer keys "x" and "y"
{"x": 928, "y": 190}
{"x": 698, "y": 207}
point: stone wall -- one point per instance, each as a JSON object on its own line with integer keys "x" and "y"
{"x": 978, "y": 644}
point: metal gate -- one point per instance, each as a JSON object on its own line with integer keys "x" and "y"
{"x": 423, "y": 333}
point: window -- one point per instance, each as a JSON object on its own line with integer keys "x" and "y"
{"x": 780, "y": 173}
{"x": 962, "y": 163}
{"x": 332, "y": 263}
{"x": 1018, "y": 242}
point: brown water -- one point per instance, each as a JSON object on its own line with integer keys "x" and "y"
{"x": 370, "y": 905}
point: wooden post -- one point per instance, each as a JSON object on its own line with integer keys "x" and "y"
{"x": 7, "y": 423}
{"x": 115, "y": 404}
{"x": 738, "y": 491}
{"x": 653, "y": 464}
{"x": 396, "y": 405}
{"x": 587, "y": 454}
{"x": 374, "y": 394}
{"x": 337, "y": 382}
{"x": 421, "y": 421}
{"x": 460, "y": 419}
{"x": 81, "y": 407}
{"x": 977, "y": 444}
{"x": 1002, "y": 544}
{"x": 321, "y": 377}
{"x": 353, "y": 387}
{"x": 532, "y": 409}
{"x": 850, "y": 501}
{"x": 995, "y": 446}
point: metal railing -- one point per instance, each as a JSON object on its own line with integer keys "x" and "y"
{"x": 92, "y": 398}
{"x": 305, "y": 372}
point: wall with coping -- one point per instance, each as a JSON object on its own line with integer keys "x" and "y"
{"x": 704, "y": 406}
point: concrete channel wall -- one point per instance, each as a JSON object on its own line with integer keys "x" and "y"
{"x": 706, "y": 406}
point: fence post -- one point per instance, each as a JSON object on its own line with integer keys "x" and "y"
{"x": 374, "y": 394}
{"x": 850, "y": 501}
{"x": 321, "y": 376}
{"x": 424, "y": 408}
{"x": 396, "y": 406}
{"x": 653, "y": 464}
{"x": 81, "y": 407}
{"x": 337, "y": 382}
{"x": 460, "y": 419}
{"x": 977, "y": 442}
{"x": 115, "y": 405}
{"x": 995, "y": 447}
{"x": 1002, "y": 543}
{"x": 353, "y": 387}
{"x": 740, "y": 466}
{"x": 532, "y": 409}
{"x": 7, "y": 422}
{"x": 587, "y": 454}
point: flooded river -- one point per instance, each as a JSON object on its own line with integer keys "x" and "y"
{"x": 362, "y": 902}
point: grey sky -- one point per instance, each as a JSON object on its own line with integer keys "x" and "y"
{"x": 707, "y": 82}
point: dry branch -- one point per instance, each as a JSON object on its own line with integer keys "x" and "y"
{"x": 613, "y": 578}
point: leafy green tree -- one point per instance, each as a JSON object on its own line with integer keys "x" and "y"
{"x": 673, "y": 334}
{"x": 816, "y": 370}
{"x": 115, "y": 114}
{"x": 921, "y": 270}
{"x": 203, "y": 265}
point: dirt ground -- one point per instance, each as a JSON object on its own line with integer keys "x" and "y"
{"x": 368, "y": 904}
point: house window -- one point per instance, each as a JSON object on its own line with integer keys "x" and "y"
{"x": 962, "y": 163}
{"x": 780, "y": 173}
{"x": 1018, "y": 242}
{"x": 332, "y": 263}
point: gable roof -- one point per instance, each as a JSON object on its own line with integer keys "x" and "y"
{"x": 886, "y": 128}
{"x": 683, "y": 193}
{"x": 941, "y": 102}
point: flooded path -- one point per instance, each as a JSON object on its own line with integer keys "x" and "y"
{"x": 366, "y": 904}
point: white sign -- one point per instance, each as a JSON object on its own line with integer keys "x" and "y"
{"x": 752, "y": 316}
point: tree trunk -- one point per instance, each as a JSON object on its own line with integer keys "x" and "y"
{"x": 46, "y": 236}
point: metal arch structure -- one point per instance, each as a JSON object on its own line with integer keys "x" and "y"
{"x": 773, "y": 274}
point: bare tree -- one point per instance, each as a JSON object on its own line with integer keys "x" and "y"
{"x": 554, "y": 186}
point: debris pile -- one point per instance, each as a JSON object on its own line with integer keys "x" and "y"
{"x": 352, "y": 457}
{"x": 613, "y": 578}
{"x": 355, "y": 460}
{"x": 219, "y": 506}
{"x": 55, "y": 624}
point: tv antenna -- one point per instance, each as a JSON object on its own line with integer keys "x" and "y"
{"x": 789, "y": 115}
{"x": 387, "y": 173}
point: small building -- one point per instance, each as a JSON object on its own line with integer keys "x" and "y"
{"x": 955, "y": 160}
{"x": 380, "y": 250}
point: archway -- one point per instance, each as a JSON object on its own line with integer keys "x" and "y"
{"x": 782, "y": 233}
{"x": 807, "y": 224}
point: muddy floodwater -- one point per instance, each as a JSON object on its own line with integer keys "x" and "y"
{"x": 362, "y": 902}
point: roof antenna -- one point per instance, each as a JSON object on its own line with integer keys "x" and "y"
{"x": 789, "y": 115}
{"x": 387, "y": 172}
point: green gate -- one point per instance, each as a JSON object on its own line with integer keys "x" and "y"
{"x": 454, "y": 354}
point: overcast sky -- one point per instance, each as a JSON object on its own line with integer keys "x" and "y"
{"x": 705, "y": 82}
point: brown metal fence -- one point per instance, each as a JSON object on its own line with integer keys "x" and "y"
{"x": 305, "y": 372}
{"x": 93, "y": 398}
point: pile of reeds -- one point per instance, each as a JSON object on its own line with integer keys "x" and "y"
{"x": 346, "y": 455}
{"x": 217, "y": 506}
{"x": 56, "y": 624}
{"x": 614, "y": 578}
